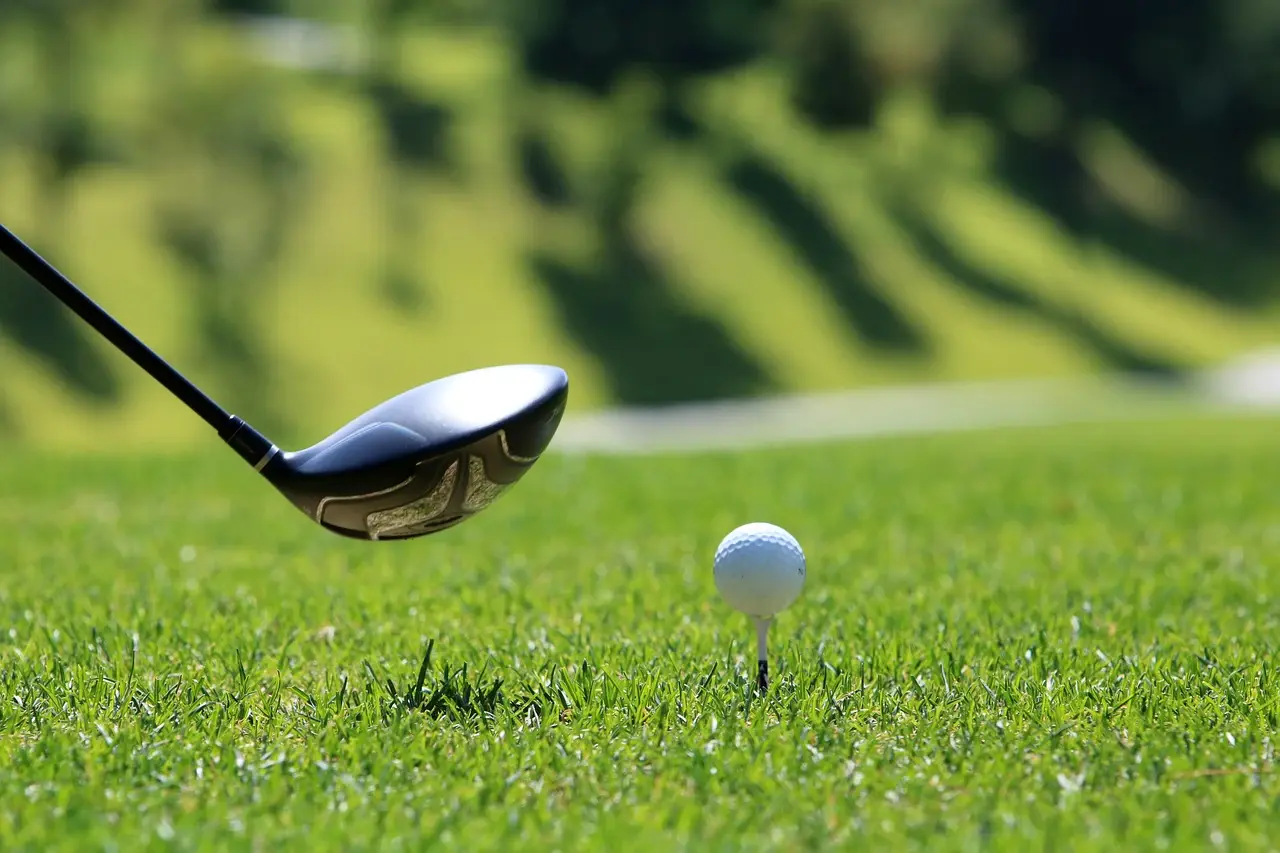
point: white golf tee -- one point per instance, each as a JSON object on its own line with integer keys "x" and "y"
{"x": 762, "y": 654}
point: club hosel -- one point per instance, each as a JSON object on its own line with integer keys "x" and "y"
{"x": 252, "y": 446}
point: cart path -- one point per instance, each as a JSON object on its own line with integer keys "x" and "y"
{"x": 1251, "y": 385}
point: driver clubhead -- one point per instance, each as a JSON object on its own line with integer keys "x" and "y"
{"x": 429, "y": 458}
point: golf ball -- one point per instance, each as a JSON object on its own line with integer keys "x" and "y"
{"x": 759, "y": 569}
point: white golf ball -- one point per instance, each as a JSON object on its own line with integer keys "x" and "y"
{"x": 759, "y": 569}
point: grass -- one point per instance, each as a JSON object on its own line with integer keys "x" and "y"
{"x": 1050, "y": 638}
{"x": 723, "y": 258}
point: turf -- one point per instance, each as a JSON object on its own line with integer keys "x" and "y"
{"x": 1052, "y": 638}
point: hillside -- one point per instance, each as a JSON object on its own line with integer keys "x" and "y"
{"x": 758, "y": 252}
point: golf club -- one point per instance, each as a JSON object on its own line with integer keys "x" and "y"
{"x": 416, "y": 464}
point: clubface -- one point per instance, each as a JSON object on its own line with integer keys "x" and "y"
{"x": 428, "y": 459}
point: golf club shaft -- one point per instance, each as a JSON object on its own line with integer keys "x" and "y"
{"x": 121, "y": 338}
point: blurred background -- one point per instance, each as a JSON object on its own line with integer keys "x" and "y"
{"x": 311, "y": 206}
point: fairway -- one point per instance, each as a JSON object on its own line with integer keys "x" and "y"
{"x": 1037, "y": 638}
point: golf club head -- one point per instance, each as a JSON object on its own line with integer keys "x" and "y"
{"x": 428, "y": 459}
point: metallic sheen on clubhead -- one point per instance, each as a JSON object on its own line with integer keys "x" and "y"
{"x": 423, "y": 461}
{"x": 417, "y": 464}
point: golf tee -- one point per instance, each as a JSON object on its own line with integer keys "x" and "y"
{"x": 762, "y": 654}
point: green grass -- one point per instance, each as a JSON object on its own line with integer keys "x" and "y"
{"x": 1044, "y": 638}
{"x": 725, "y": 261}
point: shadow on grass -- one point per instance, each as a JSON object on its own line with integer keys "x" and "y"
{"x": 1106, "y": 347}
{"x": 401, "y": 290}
{"x": 417, "y": 141}
{"x": 1222, "y": 263}
{"x": 541, "y": 167}
{"x": 654, "y": 349}
{"x": 40, "y": 326}
{"x": 416, "y": 130}
{"x": 800, "y": 220}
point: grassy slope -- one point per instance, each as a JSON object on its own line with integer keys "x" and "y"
{"x": 1061, "y": 634}
{"x": 339, "y": 349}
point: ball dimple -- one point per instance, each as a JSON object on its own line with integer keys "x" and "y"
{"x": 759, "y": 569}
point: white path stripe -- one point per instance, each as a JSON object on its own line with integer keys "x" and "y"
{"x": 917, "y": 409}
